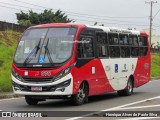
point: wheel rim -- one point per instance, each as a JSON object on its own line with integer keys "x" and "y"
{"x": 130, "y": 86}
{"x": 81, "y": 94}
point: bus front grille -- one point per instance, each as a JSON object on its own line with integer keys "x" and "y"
{"x": 38, "y": 80}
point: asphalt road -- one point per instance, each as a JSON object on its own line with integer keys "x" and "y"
{"x": 145, "y": 98}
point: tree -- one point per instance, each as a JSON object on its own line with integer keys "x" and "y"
{"x": 34, "y": 18}
{"x": 24, "y": 22}
{"x": 22, "y": 16}
{"x": 48, "y": 16}
{"x": 61, "y": 17}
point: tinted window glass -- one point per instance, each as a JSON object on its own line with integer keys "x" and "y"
{"x": 134, "y": 51}
{"x": 88, "y": 32}
{"x": 101, "y": 38}
{"x": 113, "y": 39}
{"x": 123, "y": 39}
{"x": 102, "y": 50}
{"x": 130, "y": 40}
{"x": 142, "y": 41}
{"x": 133, "y": 39}
{"x": 102, "y": 45}
{"x": 143, "y": 51}
{"x": 114, "y": 51}
{"x": 143, "y": 48}
{"x": 125, "y": 51}
{"x": 85, "y": 47}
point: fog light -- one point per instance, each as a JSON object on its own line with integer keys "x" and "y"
{"x": 53, "y": 89}
{"x": 61, "y": 89}
{"x": 16, "y": 88}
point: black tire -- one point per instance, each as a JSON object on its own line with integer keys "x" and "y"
{"x": 82, "y": 96}
{"x": 128, "y": 91}
{"x": 30, "y": 100}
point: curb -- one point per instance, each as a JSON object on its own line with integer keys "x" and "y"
{"x": 155, "y": 78}
{"x": 5, "y": 95}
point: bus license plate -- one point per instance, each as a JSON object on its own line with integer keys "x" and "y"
{"x": 36, "y": 88}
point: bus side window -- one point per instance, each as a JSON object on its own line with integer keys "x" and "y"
{"x": 143, "y": 48}
{"x": 134, "y": 45}
{"x": 114, "y": 49}
{"x": 113, "y": 39}
{"x": 85, "y": 47}
{"x": 125, "y": 51}
{"x": 134, "y": 51}
{"x": 124, "y": 45}
{"x": 102, "y": 47}
{"x": 142, "y": 41}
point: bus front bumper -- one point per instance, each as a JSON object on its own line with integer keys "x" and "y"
{"x": 63, "y": 86}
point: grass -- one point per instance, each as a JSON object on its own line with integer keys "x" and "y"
{"x": 8, "y": 43}
{"x": 4, "y": 95}
{"x": 155, "y": 65}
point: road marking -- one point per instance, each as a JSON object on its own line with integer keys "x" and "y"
{"x": 114, "y": 108}
{"x": 140, "y": 118}
{"x": 11, "y": 99}
{"x": 133, "y": 103}
{"x": 148, "y": 106}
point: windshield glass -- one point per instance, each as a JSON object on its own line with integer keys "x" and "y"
{"x": 45, "y": 45}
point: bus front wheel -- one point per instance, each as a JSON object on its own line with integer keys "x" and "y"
{"x": 30, "y": 100}
{"x": 128, "y": 91}
{"x": 82, "y": 96}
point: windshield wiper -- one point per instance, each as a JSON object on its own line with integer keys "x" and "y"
{"x": 48, "y": 53}
{"x": 34, "y": 51}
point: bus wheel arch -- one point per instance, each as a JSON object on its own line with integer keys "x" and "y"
{"x": 87, "y": 85}
{"x": 82, "y": 95}
{"x": 129, "y": 88}
{"x": 132, "y": 78}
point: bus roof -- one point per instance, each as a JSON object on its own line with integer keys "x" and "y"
{"x": 105, "y": 29}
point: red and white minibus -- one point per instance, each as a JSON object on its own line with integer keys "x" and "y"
{"x": 75, "y": 61}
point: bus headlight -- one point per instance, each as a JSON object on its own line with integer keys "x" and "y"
{"x": 63, "y": 73}
{"x": 16, "y": 75}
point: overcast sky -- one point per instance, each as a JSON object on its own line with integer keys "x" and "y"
{"x": 114, "y": 13}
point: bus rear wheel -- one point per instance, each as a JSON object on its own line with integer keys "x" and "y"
{"x": 128, "y": 91}
{"x": 82, "y": 96}
{"x": 30, "y": 100}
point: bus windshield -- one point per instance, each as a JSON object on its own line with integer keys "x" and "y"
{"x": 45, "y": 45}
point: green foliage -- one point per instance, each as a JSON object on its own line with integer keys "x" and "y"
{"x": 4, "y": 95}
{"x": 48, "y": 16}
{"x": 22, "y": 16}
{"x": 61, "y": 17}
{"x": 9, "y": 40}
{"x": 158, "y": 46}
{"x": 34, "y": 18}
{"x": 24, "y": 22}
{"x": 155, "y": 65}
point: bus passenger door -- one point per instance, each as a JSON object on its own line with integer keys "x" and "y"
{"x": 86, "y": 62}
